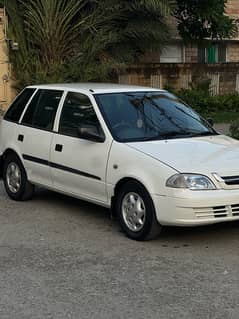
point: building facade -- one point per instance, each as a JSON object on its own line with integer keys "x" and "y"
{"x": 6, "y": 91}
{"x": 179, "y": 66}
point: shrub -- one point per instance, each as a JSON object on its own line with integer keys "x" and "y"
{"x": 197, "y": 99}
{"x": 201, "y": 85}
{"x": 205, "y": 104}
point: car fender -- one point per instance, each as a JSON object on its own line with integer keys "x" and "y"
{"x": 126, "y": 162}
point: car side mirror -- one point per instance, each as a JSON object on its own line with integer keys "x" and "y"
{"x": 210, "y": 122}
{"x": 90, "y": 133}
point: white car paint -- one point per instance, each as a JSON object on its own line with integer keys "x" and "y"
{"x": 151, "y": 163}
{"x": 201, "y": 155}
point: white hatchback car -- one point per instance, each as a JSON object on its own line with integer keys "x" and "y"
{"x": 140, "y": 151}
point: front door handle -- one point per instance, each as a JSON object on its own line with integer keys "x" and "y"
{"x": 20, "y": 138}
{"x": 59, "y": 148}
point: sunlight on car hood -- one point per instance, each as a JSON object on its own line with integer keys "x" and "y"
{"x": 195, "y": 155}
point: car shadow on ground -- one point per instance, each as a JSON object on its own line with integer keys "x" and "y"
{"x": 219, "y": 228}
{"x": 221, "y": 232}
{"x": 71, "y": 204}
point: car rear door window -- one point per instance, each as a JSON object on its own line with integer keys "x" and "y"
{"x": 16, "y": 109}
{"x": 42, "y": 110}
{"x": 77, "y": 111}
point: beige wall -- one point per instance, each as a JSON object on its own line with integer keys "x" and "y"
{"x": 232, "y": 7}
{"x": 225, "y": 76}
{"x": 6, "y": 92}
{"x": 233, "y": 52}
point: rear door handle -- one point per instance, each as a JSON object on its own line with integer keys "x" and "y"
{"x": 20, "y": 138}
{"x": 59, "y": 148}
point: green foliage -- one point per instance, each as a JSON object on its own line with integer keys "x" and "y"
{"x": 199, "y": 20}
{"x": 208, "y": 105}
{"x": 234, "y": 129}
{"x": 82, "y": 40}
{"x": 197, "y": 99}
{"x": 202, "y": 85}
{"x": 69, "y": 40}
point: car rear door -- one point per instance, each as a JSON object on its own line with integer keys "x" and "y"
{"x": 10, "y": 121}
{"x": 79, "y": 166}
{"x": 35, "y": 134}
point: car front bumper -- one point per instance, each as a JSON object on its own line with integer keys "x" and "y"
{"x": 197, "y": 208}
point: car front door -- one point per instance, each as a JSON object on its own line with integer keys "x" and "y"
{"x": 35, "y": 134}
{"x": 78, "y": 165}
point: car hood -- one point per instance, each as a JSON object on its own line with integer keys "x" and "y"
{"x": 204, "y": 155}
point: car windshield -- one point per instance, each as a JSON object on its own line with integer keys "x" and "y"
{"x": 145, "y": 116}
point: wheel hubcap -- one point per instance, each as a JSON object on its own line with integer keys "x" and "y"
{"x": 133, "y": 211}
{"x": 13, "y": 177}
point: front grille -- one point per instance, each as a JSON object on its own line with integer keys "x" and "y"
{"x": 217, "y": 212}
{"x": 220, "y": 211}
{"x": 231, "y": 180}
{"x": 235, "y": 210}
{"x": 209, "y": 212}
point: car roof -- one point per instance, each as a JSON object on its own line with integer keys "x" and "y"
{"x": 95, "y": 87}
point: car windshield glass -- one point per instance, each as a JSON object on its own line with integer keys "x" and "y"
{"x": 143, "y": 116}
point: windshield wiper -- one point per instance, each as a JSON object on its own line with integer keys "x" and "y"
{"x": 168, "y": 135}
{"x": 208, "y": 133}
{"x": 175, "y": 134}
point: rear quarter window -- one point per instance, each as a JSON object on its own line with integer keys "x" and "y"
{"x": 42, "y": 110}
{"x": 16, "y": 109}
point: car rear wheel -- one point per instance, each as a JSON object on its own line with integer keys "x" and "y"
{"x": 136, "y": 212}
{"x": 15, "y": 179}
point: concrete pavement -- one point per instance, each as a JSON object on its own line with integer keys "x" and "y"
{"x": 63, "y": 258}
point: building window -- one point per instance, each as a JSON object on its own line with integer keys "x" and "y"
{"x": 172, "y": 54}
{"x": 217, "y": 53}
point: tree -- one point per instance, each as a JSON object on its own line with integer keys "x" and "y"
{"x": 69, "y": 40}
{"x": 91, "y": 40}
{"x": 203, "y": 19}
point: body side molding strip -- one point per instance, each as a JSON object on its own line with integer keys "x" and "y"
{"x": 58, "y": 166}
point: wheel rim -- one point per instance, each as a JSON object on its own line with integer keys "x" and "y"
{"x": 13, "y": 177}
{"x": 133, "y": 211}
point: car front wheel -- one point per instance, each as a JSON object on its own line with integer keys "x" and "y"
{"x": 136, "y": 213}
{"x": 15, "y": 179}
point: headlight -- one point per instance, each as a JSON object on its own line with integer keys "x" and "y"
{"x": 190, "y": 181}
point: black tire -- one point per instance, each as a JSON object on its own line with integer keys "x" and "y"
{"x": 151, "y": 228}
{"x": 26, "y": 189}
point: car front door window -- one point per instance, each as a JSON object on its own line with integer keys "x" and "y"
{"x": 77, "y": 111}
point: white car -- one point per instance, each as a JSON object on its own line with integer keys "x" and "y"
{"x": 139, "y": 151}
